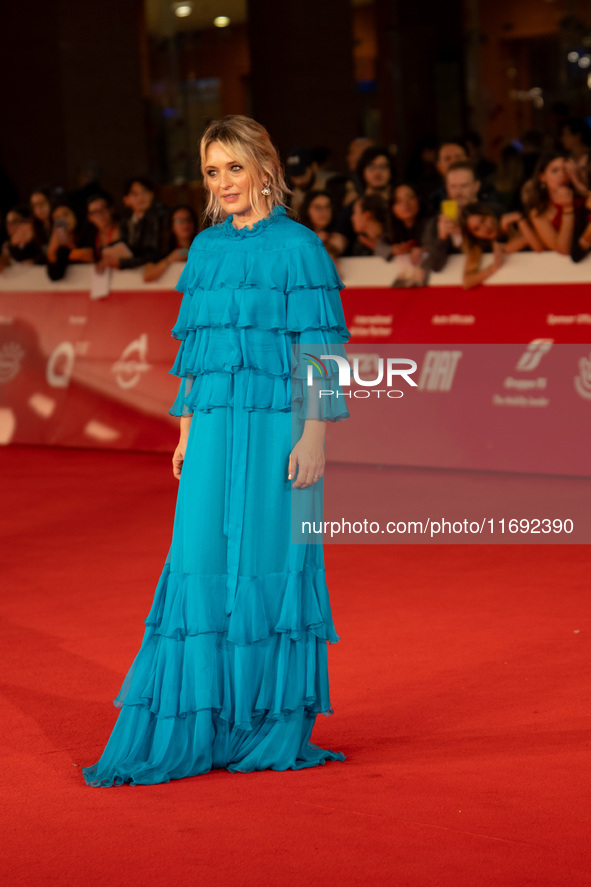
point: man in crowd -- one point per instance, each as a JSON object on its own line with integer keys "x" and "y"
{"x": 145, "y": 230}
{"x": 443, "y": 234}
{"x": 447, "y": 153}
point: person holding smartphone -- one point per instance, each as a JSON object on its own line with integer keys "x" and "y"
{"x": 443, "y": 232}
{"x": 64, "y": 242}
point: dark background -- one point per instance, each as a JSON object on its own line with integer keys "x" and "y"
{"x": 127, "y": 84}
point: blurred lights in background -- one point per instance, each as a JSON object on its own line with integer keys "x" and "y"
{"x": 580, "y": 58}
{"x": 533, "y": 95}
{"x": 185, "y": 8}
{"x": 182, "y": 9}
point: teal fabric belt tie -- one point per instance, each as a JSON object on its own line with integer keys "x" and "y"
{"x": 235, "y": 495}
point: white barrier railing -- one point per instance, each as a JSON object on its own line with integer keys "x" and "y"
{"x": 519, "y": 268}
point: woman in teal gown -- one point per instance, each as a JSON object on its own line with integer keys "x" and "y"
{"x": 232, "y": 670}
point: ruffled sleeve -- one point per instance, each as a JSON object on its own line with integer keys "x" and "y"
{"x": 320, "y": 331}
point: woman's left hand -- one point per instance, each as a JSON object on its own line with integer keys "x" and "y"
{"x": 307, "y": 462}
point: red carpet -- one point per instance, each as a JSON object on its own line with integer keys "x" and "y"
{"x": 460, "y": 687}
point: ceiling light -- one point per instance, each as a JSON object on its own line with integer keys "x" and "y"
{"x": 584, "y": 61}
{"x": 182, "y": 10}
{"x": 573, "y": 56}
{"x": 221, "y": 21}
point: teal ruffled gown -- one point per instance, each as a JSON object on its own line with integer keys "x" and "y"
{"x": 232, "y": 670}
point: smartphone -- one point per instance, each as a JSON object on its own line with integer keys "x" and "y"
{"x": 449, "y": 208}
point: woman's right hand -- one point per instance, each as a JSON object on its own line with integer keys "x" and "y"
{"x": 178, "y": 458}
{"x": 574, "y": 175}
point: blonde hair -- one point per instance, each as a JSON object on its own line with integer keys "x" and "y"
{"x": 250, "y": 145}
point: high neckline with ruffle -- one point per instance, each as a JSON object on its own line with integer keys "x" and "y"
{"x": 229, "y": 229}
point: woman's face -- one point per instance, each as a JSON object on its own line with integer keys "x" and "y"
{"x": 554, "y": 176}
{"x": 320, "y": 212}
{"x": 139, "y": 198}
{"x": 40, "y": 206}
{"x": 406, "y": 204}
{"x": 377, "y": 173}
{"x": 13, "y": 220}
{"x": 227, "y": 179}
{"x": 182, "y": 225}
{"x": 64, "y": 212}
{"x": 99, "y": 213}
{"x": 482, "y": 227}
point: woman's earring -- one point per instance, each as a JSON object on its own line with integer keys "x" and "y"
{"x": 266, "y": 190}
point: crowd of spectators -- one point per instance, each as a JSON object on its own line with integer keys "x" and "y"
{"x": 450, "y": 199}
{"x": 56, "y": 229}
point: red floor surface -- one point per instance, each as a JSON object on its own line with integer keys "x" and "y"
{"x": 460, "y": 688}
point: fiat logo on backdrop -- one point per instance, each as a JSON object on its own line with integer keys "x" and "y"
{"x": 132, "y": 363}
